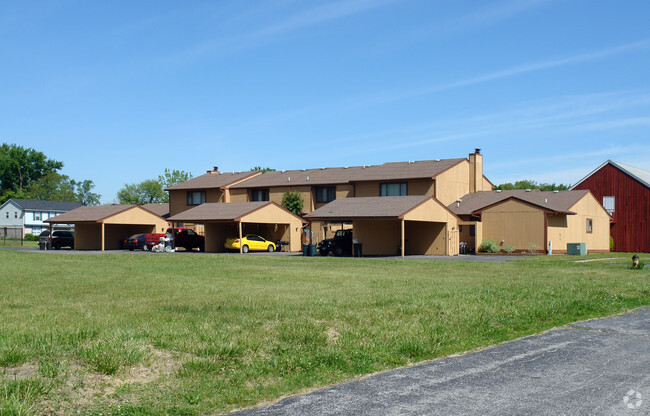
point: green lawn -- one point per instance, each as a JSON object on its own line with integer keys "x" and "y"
{"x": 193, "y": 334}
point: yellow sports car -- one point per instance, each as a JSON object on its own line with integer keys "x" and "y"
{"x": 250, "y": 242}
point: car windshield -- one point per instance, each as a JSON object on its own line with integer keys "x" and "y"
{"x": 340, "y": 233}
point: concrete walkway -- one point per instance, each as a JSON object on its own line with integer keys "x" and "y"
{"x": 599, "y": 367}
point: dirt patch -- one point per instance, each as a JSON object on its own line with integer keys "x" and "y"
{"x": 23, "y": 371}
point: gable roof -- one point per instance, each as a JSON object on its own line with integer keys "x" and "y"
{"x": 369, "y": 207}
{"x": 640, "y": 175}
{"x": 90, "y": 214}
{"x": 212, "y": 180}
{"x": 218, "y": 211}
{"x": 161, "y": 210}
{"x": 37, "y": 205}
{"x": 324, "y": 176}
{"x": 560, "y": 201}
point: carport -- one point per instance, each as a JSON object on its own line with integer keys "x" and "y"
{"x": 390, "y": 225}
{"x": 104, "y": 227}
{"x": 236, "y": 219}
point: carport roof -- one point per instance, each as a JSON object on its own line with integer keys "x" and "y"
{"x": 219, "y": 211}
{"x": 368, "y": 207}
{"x": 92, "y": 214}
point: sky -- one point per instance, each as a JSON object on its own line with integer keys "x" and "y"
{"x": 121, "y": 90}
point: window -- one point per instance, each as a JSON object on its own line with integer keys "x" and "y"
{"x": 260, "y": 195}
{"x": 195, "y": 197}
{"x": 15, "y": 214}
{"x": 325, "y": 193}
{"x": 393, "y": 189}
{"x": 590, "y": 225}
{"x": 608, "y": 203}
{"x": 472, "y": 230}
{"x": 37, "y": 216}
{"x": 7, "y": 214}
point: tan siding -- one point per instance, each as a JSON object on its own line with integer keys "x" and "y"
{"x": 516, "y": 224}
{"x": 487, "y": 186}
{"x": 413, "y": 187}
{"x": 431, "y": 211}
{"x": 453, "y": 183}
{"x": 178, "y": 199}
{"x": 88, "y": 236}
{"x": 276, "y": 194}
{"x": 366, "y": 189}
{"x": 379, "y": 237}
{"x": 239, "y": 195}
{"x": 573, "y": 228}
{"x": 425, "y": 238}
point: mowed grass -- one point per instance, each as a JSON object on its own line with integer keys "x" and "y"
{"x": 194, "y": 334}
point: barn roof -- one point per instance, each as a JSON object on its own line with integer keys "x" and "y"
{"x": 640, "y": 175}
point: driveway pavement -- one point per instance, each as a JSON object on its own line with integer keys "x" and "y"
{"x": 598, "y": 367}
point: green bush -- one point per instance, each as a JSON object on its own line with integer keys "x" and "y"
{"x": 509, "y": 249}
{"x": 489, "y": 246}
{"x": 30, "y": 237}
{"x": 611, "y": 243}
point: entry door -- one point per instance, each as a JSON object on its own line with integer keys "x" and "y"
{"x": 453, "y": 243}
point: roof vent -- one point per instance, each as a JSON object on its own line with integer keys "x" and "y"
{"x": 436, "y": 160}
{"x": 284, "y": 170}
{"x": 498, "y": 190}
{"x": 555, "y": 191}
{"x": 477, "y": 150}
{"x": 345, "y": 167}
{"x": 528, "y": 190}
{"x": 322, "y": 168}
{"x": 216, "y": 168}
{"x": 410, "y": 161}
{"x": 307, "y": 177}
{"x": 289, "y": 178}
{"x": 546, "y": 200}
{"x": 364, "y": 166}
{"x": 304, "y": 170}
{"x": 458, "y": 201}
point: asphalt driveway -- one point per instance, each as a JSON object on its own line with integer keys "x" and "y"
{"x": 598, "y": 367}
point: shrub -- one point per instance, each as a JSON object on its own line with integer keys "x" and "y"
{"x": 611, "y": 243}
{"x": 532, "y": 248}
{"x": 293, "y": 202}
{"x": 489, "y": 246}
{"x": 509, "y": 249}
{"x": 30, "y": 237}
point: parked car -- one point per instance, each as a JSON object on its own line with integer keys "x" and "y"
{"x": 339, "y": 245}
{"x": 248, "y": 243}
{"x": 188, "y": 239}
{"x": 58, "y": 239}
{"x": 136, "y": 242}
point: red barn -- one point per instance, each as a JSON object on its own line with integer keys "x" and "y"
{"x": 625, "y": 193}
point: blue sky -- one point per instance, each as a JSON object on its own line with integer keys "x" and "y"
{"x": 121, "y": 90}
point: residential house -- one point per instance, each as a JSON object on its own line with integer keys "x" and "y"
{"x": 533, "y": 220}
{"x": 26, "y": 216}
{"x": 625, "y": 193}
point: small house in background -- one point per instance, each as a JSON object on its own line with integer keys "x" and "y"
{"x": 528, "y": 220}
{"x": 26, "y": 216}
{"x": 625, "y": 193}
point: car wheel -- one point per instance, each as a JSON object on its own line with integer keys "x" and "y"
{"x": 202, "y": 248}
{"x": 270, "y": 249}
{"x": 338, "y": 251}
{"x": 57, "y": 246}
{"x": 324, "y": 252}
{"x": 130, "y": 249}
{"x": 244, "y": 248}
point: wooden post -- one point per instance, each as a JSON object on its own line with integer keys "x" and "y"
{"x": 103, "y": 237}
{"x": 241, "y": 242}
{"x": 403, "y": 238}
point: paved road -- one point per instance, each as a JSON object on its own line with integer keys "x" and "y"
{"x": 599, "y": 367}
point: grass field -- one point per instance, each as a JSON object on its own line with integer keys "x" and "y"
{"x": 184, "y": 334}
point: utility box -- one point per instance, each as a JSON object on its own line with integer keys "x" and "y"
{"x": 576, "y": 249}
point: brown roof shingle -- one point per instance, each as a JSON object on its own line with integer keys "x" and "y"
{"x": 218, "y": 211}
{"x": 560, "y": 201}
{"x": 89, "y": 214}
{"x": 212, "y": 180}
{"x": 324, "y": 176}
{"x": 368, "y": 207}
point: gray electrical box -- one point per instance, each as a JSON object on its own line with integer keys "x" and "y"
{"x": 576, "y": 249}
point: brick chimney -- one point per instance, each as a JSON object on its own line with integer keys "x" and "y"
{"x": 475, "y": 171}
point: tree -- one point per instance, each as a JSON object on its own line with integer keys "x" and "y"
{"x": 20, "y": 167}
{"x": 529, "y": 184}
{"x": 170, "y": 178}
{"x": 293, "y": 202}
{"x": 146, "y": 192}
{"x": 52, "y": 187}
{"x": 259, "y": 168}
{"x": 152, "y": 191}
{"x": 84, "y": 193}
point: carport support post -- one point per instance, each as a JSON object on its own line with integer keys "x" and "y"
{"x": 240, "y": 239}
{"x": 402, "y": 237}
{"x": 103, "y": 237}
